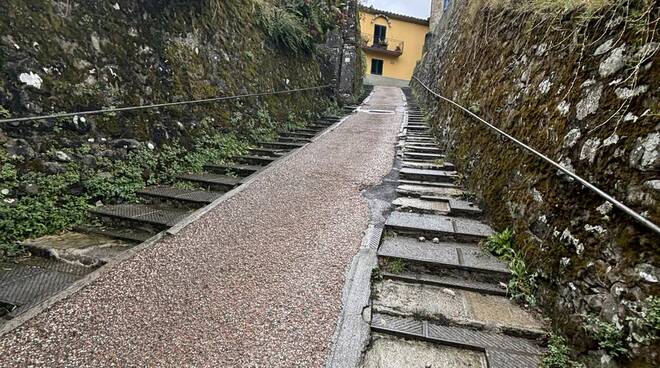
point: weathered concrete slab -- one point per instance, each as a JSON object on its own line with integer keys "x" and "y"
{"x": 423, "y": 149}
{"x": 461, "y": 207}
{"x": 461, "y": 307}
{"x": 422, "y": 206}
{"x": 444, "y": 166}
{"x": 478, "y": 258}
{"x": 420, "y": 223}
{"x": 500, "y": 311}
{"x": 442, "y": 253}
{"x": 439, "y": 225}
{"x": 406, "y": 142}
{"x": 429, "y": 175}
{"x": 454, "y": 282}
{"x": 514, "y": 347}
{"x": 423, "y": 190}
{"x": 427, "y": 183}
{"x": 391, "y": 352}
{"x": 471, "y": 227}
{"x": 420, "y": 300}
{"x": 412, "y": 249}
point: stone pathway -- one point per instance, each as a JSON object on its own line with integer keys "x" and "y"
{"x": 255, "y": 282}
{"x": 437, "y": 298}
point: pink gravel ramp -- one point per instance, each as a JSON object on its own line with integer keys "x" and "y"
{"x": 255, "y": 282}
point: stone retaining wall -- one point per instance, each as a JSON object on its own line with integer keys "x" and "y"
{"x": 583, "y": 89}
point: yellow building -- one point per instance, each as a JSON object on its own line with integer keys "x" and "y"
{"x": 393, "y": 44}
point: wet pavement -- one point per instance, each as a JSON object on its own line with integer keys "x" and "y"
{"x": 255, "y": 282}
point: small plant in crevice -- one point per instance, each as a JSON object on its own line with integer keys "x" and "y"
{"x": 645, "y": 322}
{"x": 5, "y": 309}
{"x": 396, "y": 265}
{"x": 558, "y": 354}
{"x": 501, "y": 244}
{"x": 376, "y": 278}
{"x": 4, "y": 113}
{"x": 11, "y": 250}
{"x": 641, "y": 329}
{"x": 609, "y": 337}
{"x": 333, "y": 109}
{"x": 522, "y": 284}
{"x": 376, "y": 275}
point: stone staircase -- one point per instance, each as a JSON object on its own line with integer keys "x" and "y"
{"x": 438, "y": 299}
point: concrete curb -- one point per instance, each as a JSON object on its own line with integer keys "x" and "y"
{"x": 18, "y": 321}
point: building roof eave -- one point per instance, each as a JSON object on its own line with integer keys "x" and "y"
{"x": 401, "y": 17}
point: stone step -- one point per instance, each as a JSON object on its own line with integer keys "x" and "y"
{"x": 444, "y": 255}
{"x": 417, "y": 125}
{"x": 162, "y": 218}
{"x": 75, "y": 247}
{"x": 501, "y": 351}
{"x": 423, "y": 149}
{"x": 253, "y": 160}
{"x": 238, "y": 169}
{"x": 443, "y": 227}
{"x": 426, "y": 183}
{"x": 388, "y": 351}
{"x": 455, "y": 282}
{"x": 438, "y": 205}
{"x": 316, "y": 128}
{"x": 440, "y": 176}
{"x": 310, "y": 129}
{"x": 293, "y": 139}
{"x": 455, "y": 307}
{"x": 198, "y": 197}
{"x": 423, "y": 156}
{"x": 418, "y": 205}
{"x": 267, "y": 152}
{"x": 297, "y": 134}
{"x": 444, "y": 166}
{"x": 216, "y": 182}
{"x": 418, "y": 190}
{"x": 127, "y": 234}
{"x": 417, "y": 134}
{"x": 418, "y": 140}
{"x": 281, "y": 144}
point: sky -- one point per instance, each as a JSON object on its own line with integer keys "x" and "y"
{"x": 413, "y": 8}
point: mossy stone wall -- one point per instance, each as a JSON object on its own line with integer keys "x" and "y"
{"x": 582, "y": 88}
{"x": 73, "y": 55}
